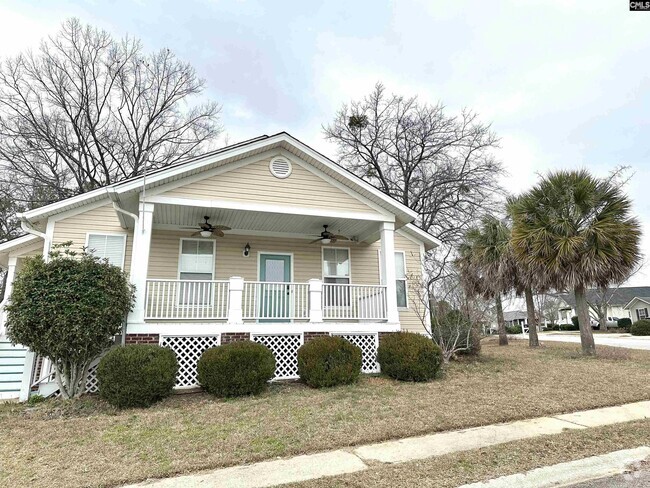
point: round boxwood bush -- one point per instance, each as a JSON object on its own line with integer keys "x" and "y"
{"x": 640, "y": 328}
{"x": 624, "y": 324}
{"x": 236, "y": 369}
{"x": 408, "y": 356}
{"x": 329, "y": 361}
{"x": 137, "y": 375}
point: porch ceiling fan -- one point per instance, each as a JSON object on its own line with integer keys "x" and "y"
{"x": 327, "y": 237}
{"x": 206, "y": 229}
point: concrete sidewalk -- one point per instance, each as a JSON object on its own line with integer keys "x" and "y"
{"x": 563, "y": 474}
{"x": 626, "y": 341}
{"x": 302, "y": 468}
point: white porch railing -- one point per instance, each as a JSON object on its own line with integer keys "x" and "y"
{"x": 275, "y": 301}
{"x": 185, "y": 299}
{"x": 354, "y": 302}
{"x": 237, "y": 301}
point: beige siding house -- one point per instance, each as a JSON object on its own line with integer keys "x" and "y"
{"x": 232, "y": 245}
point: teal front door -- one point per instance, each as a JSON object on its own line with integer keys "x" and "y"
{"x": 275, "y": 273}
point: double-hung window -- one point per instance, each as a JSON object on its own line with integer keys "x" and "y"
{"x": 107, "y": 246}
{"x": 642, "y": 313}
{"x": 400, "y": 279}
{"x": 196, "y": 265}
{"x": 336, "y": 270}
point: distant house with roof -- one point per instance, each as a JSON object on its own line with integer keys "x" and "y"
{"x": 618, "y": 300}
{"x": 638, "y": 308}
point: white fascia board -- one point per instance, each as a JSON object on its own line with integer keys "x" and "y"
{"x": 429, "y": 241}
{"x": 350, "y": 176}
{"x": 195, "y": 165}
{"x": 629, "y": 304}
{"x": 18, "y": 243}
{"x": 266, "y": 208}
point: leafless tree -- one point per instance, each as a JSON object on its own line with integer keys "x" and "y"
{"x": 86, "y": 110}
{"x": 440, "y": 165}
{"x": 449, "y": 316}
{"x": 547, "y": 306}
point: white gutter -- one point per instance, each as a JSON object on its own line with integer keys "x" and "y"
{"x": 112, "y": 194}
{"x": 27, "y": 227}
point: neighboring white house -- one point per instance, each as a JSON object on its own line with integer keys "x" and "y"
{"x": 639, "y": 308}
{"x": 617, "y": 299}
{"x": 266, "y": 240}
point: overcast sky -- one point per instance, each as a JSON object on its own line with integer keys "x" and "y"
{"x": 565, "y": 83}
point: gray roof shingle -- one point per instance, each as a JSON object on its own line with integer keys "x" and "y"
{"x": 619, "y": 296}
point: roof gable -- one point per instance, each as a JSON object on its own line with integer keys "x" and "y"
{"x": 228, "y": 155}
{"x": 254, "y": 182}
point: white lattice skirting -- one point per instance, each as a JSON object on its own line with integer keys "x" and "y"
{"x": 188, "y": 350}
{"x": 368, "y": 343}
{"x": 285, "y": 349}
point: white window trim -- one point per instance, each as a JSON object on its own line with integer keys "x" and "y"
{"x": 214, "y": 265}
{"x": 645, "y": 313}
{"x": 322, "y": 261}
{"x": 180, "y": 253}
{"x": 405, "y": 279}
{"x": 124, "y": 235}
{"x": 323, "y": 275}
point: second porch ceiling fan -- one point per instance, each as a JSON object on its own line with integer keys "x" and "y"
{"x": 206, "y": 229}
{"x": 327, "y": 237}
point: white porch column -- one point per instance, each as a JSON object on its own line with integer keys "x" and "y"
{"x": 387, "y": 232}
{"x": 140, "y": 260}
{"x": 235, "y": 296}
{"x": 11, "y": 274}
{"x": 315, "y": 300}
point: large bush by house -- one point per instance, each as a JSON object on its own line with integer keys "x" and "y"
{"x": 237, "y": 369}
{"x": 624, "y": 324}
{"x": 513, "y": 329}
{"x": 137, "y": 375}
{"x": 454, "y": 334}
{"x": 68, "y": 309}
{"x": 329, "y": 361}
{"x": 408, "y": 356}
{"x": 640, "y": 328}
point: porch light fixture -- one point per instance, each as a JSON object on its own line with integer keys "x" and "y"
{"x": 325, "y": 241}
{"x": 206, "y": 233}
{"x": 247, "y": 249}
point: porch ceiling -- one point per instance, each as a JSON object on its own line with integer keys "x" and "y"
{"x": 244, "y": 221}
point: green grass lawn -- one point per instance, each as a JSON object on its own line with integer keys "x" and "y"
{"x": 88, "y": 443}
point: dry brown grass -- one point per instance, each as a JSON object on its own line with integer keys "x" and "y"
{"x": 461, "y": 468}
{"x": 193, "y": 432}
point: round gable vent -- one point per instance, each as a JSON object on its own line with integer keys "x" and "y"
{"x": 280, "y": 167}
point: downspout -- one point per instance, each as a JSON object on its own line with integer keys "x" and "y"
{"x": 27, "y": 227}
{"x": 112, "y": 194}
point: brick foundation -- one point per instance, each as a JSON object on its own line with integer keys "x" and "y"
{"x": 228, "y": 337}
{"x": 142, "y": 339}
{"x": 313, "y": 335}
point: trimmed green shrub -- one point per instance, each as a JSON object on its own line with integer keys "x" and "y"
{"x": 329, "y": 361}
{"x": 569, "y": 327}
{"x": 137, "y": 375}
{"x": 236, "y": 369}
{"x": 68, "y": 310}
{"x": 513, "y": 329}
{"x": 408, "y": 356}
{"x": 640, "y": 328}
{"x": 624, "y": 324}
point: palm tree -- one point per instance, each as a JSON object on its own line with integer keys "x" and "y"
{"x": 486, "y": 266}
{"x": 572, "y": 231}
